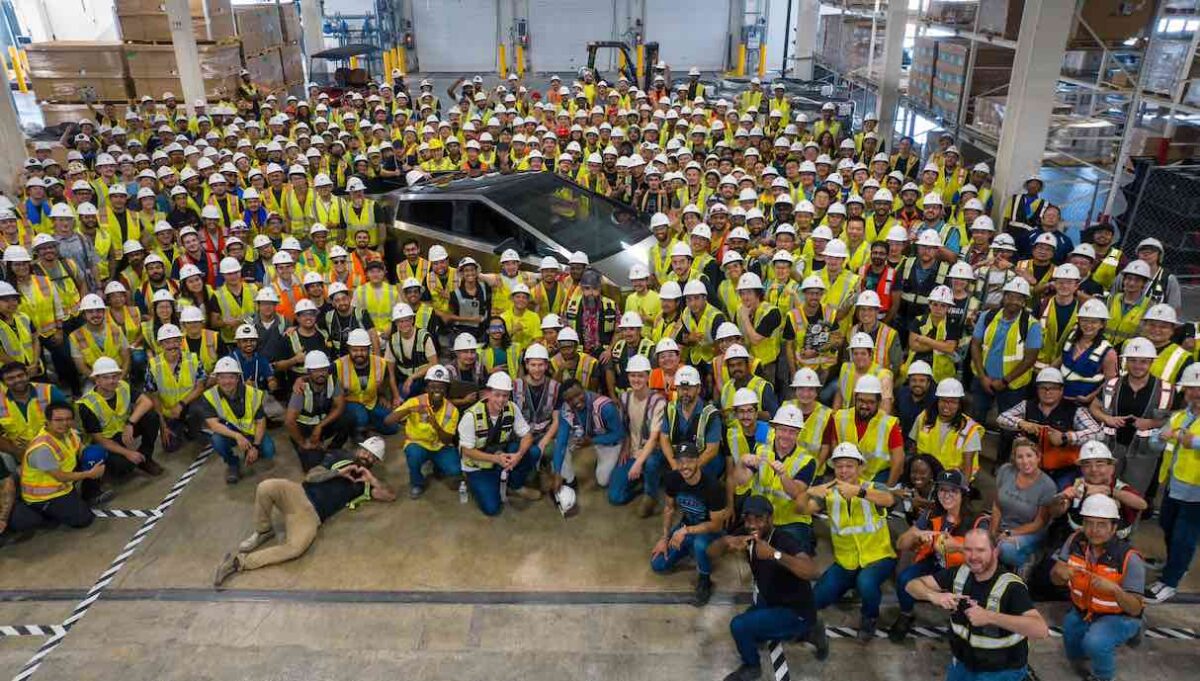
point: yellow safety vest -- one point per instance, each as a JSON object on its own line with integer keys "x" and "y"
{"x": 728, "y": 390}
{"x": 439, "y": 293}
{"x": 378, "y": 302}
{"x": 112, "y": 419}
{"x": 1179, "y": 462}
{"x": 208, "y": 349}
{"x": 174, "y": 384}
{"x": 16, "y": 339}
{"x": 943, "y": 363}
{"x": 848, "y": 377}
{"x": 244, "y": 422}
{"x": 736, "y": 441}
{"x": 361, "y": 219}
{"x": 858, "y": 530}
{"x": 300, "y": 216}
{"x": 1054, "y": 332}
{"x": 703, "y": 351}
{"x": 352, "y": 384}
{"x": 767, "y": 482}
{"x": 874, "y": 441}
{"x": 766, "y": 351}
{"x": 22, "y": 426}
{"x": 1106, "y": 272}
{"x": 38, "y": 486}
{"x": 130, "y": 324}
{"x": 1014, "y": 345}
{"x": 38, "y": 304}
{"x": 1123, "y": 324}
{"x": 948, "y": 447}
{"x": 1169, "y": 363}
{"x": 114, "y": 340}
{"x": 232, "y": 308}
{"x": 483, "y": 428}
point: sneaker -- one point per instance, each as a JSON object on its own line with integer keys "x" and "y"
{"x": 1135, "y": 641}
{"x": 1164, "y": 594}
{"x": 106, "y": 495}
{"x": 745, "y": 673}
{"x": 232, "y": 475}
{"x": 819, "y": 637}
{"x": 1155, "y": 587}
{"x": 901, "y": 627}
{"x": 646, "y": 507}
{"x": 256, "y": 540}
{"x": 151, "y": 467}
{"x": 416, "y": 491}
{"x": 866, "y": 629}
{"x": 529, "y": 493}
{"x": 704, "y": 589}
{"x": 228, "y": 566}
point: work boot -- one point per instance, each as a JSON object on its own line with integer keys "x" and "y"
{"x": 1136, "y": 640}
{"x": 820, "y": 639}
{"x": 151, "y": 467}
{"x": 231, "y": 564}
{"x": 416, "y": 491}
{"x": 704, "y": 589}
{"x": 745, "y": 673}
{"x": 256, "y": 540}
{"x": 1080, "y": 666}
{"x": 232, "y": 475}
{"x": 646, "y": 506}
{"x": 529, "y": 493}
{"x": 866, "y": 629}
{"x": 901, "y": 627}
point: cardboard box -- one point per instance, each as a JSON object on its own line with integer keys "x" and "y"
{"x": 91, "y": 88}
{"x": 146, "y": 20}
{"x": 259, "y": 28}
{"x": 1113, "y": 21}
{"x": 72, "y": 59}
{"x": 289, "y": 21}
{"x": 57, "y": 114}
{"x": 215, "y": 89}
{"x": 953, "y": 12}
{"x": 158, "y": 61}
{"x": 266, "y": 70}
{"x": 293, "y": 64}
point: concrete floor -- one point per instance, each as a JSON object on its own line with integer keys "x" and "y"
{"x": 425, "y": 589}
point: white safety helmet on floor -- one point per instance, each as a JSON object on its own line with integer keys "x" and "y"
{"x": 950, "y": 387}
{"x": 565, "y": 499}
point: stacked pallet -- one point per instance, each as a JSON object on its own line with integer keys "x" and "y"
{"x": 261, "y": 31}
{"x": 992, "y": 72}
{"x": 69, "y": 72}
{"x": 290, "y": 53}
{"x": 150, "y": 54}
{"x": 145, "y": 21}
{"x": 920, "y": 73}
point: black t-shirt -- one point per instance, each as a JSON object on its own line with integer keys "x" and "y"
{"x": 333, "y": 495}
{"x": 953, "y": 333}
{"x": 91, "y": 422}
{"x": 778, "y": 586}
{"x": 1016, "y": 601}
{"x": 696, "y": 502}
{"x": 767, "y": 325}
{"x": 1129, "y": 402}
{"x": 314, "y": 342}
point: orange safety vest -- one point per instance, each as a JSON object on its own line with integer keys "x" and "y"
{"x": 1111, "y": 564}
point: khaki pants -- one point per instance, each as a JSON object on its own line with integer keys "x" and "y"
{"x": 300, "y": 522}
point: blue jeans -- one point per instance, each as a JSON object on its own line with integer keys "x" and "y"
{"x": 957, "y": 671}
{"x": 445, "y": 459}
{"x": 622, "y": 490}
{"x": 694, "y": 544}
{"x": 1097, "y": 640}
{"x": 917, "y": 570}
{"x": 1016, "y": 550}
{"x": 485, "y": 484}
{"x": 362, "y": 417}
{"x": 868, "y": 581}
{"x": 1180, "y": 521}
{"x": 763, "y": 623}
{"x": 803, "y": 533}
{"x": 227, "y": 448}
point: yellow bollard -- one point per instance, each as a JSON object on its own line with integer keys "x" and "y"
{"x": 740, "y": 68}
{"x": 387, "y": 65}
{"x": 402, "y": 59}
{"x": 353, "y": 62}
{"x": 762, "y": 59}
{"x": 15, "y": 58}
{"x": 621, "y": 61}
{"x": 503, "y": 69}
{"x": 520, "y": 60}
{"x": 641, "y": 61}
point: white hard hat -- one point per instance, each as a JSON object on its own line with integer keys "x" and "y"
{"x": 681, "y": 250}
{"x": 336, "y": 288}
{"x": 744, "y": 397}
{"x": 806, "y": 378}
{"x": 727, "y": 330}
{"x": 1004, "y": 242}
{"x": 115, "y": 287}
{"x": 670, "y": 291}
{"x": 1049, "y": 375}
{"x": 1093, "y": 309}
{"x": 636, "y": 271}
{"x": 941, "y": 294}
{"x": 438, "y": 373}
{"x": 266, "y": 295}
{"x": 1046, "y": 239}
{"x": 245, "y": 332}
{"x": 749, "y": 282}
{"x": 438, "y": 253}
{"x": 1137, "y": 267}
{"x": 929, "y": 237}
{"x": 509, "y": 255}
{"x": 191, "y": 315}
{"x": 62, "y": 210}
{"x": 868, "y": 385}
{"x": 168, "y": 331}
{"x": 401, "y": 311}
{"x": 1139, "y": 348}
{"x": 227, "y": 365}
{"x": 868, "y": 299}
{"x": 465, "y": 342}
{"x": 1161, "y": 313}
{"x": 736, "y": 351}
{"x": 812, "y": 281}
{"x": 358, "y": 338}
{"x": 847, "y": 450}
{"x": 730, "y": 257}
{"x": 565, "y": 499}
{"x": 630, "y": 320}
{"x": 920, "y": 368}
{"x": 1085, "y": 250}
{"x": 230, "y": 265}
{"x": 375, "y": 446}
{"x": 898, "y": 234}
{"x": 961, "y": 270}
{"x": 1190, "y": 378}
{"x": 1066, "y": 271}
{"x": 313, "y": 278}
{"x": 882, "y": 196}
{"x": 1149, "y": 243}
{"x": 7, "y": 290}
{"x": 210, "y": 212}
{"x": 92, "y": 302}
{"x": 548, "y": 263}
{"x": 568, "y": 335}
{"x": 687, "y": 375}
{"x": 932, "y": 200}
{"x": 1100, "y": 506}
{"x": 636, "y": 363}
{"x": 983, "y": 222}
{"x": 500, "y": 381}
{"x": 862, "y": 341}
{"x": 1094, "y": 450}
{"x": 666, "y": 345}
{"x": 702, "y": 230}
{"x": 16, "y": 254}
{"x": 537, "y": 351}
{"x": 950, "y": 387}
{"x": 788, "y": 415}
{"x": 316, "y": 360}
{"x": 105, "y": 365}
{"x": 1017, "y": 285}
{"x": 836, "y": 248}
{"x": 48, "y": 240}
{"x": 695, "y": 287}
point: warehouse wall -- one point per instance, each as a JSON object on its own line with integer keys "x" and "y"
{"x": 67, "y": 19}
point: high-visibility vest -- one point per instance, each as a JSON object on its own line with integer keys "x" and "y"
{"x": 740, "y": 443}
{"x": 800, "y": 325}
{"x": 485, "y": 439}
{"x": 660, "y": 259}
{"x": 112, "y": 419}
{"x": 360, "y": 219}
{"x": 545, "y": 303}
{"x": 308, "y": 415}
{"x": 114, "y": 341}
{"x": 767, "y": 350}
{"x": 300, "y": 214}
{"x": 38, "y": 304}
{"x": 873, "y": 444}
{"x": 129, "y": 323}
{"x": 948, "y": 447}
{"x": 328, "y": 214}
{"x": 1169, "y": 363}
{"x": 1014, "y": 344}
{"x": 944, "y": 365}
{"x": 990, "y": 637}
{"x": 502, "y": 302}
{"x": 243, "y": 422}
{"x": 288, "y": 297}
{"x": 1179, "y": 462}
{"x": 104, "y": 245}
{"x": 378, "y": 302}
{"x": 208, "y": 349}
{"x": 405, "y": 270}
{"x": 313, "y": 260}
{"x": 1111, "y": 563}
{"x": 439, "y": 293}
{"x": 1123, "y": 324}
{"x": 16, "y": 339}
{"x": 729, "y": 389}
{"x": 38, "y": 486}
{"x": 174, "y": 384}
{"x": 1106, "y": 271}
{"x": 767, "y": 482}
{"x": 699, "y": 425}
{"x": 352, "y": 384}
{"x": 492, "y": 360}
{"x": 585, "y": 369}
{"x": 235, "y": 307}
{"x": 858, "y": 530}
{"x": 68, "y": 292}
{"x": 702, "y": 351}
{"x": 841, "y": 290}
{"x": 22, "y": 426}
{"x": 848, "y": 377}
{"x": 1055, "y": 331}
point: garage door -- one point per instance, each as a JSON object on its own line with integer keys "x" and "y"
{"x": 689, "y": 34}
{"x": 455, "y": 35}
{"x": 559, "y": 31}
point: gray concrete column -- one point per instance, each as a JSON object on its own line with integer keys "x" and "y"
{"x": 12, "y": 139}
{"x": 187, "y": 57}
{"x": 311, "y": 19}
{"x": 806, "y": 18}
{"x": 1037, "y": 62}
{"x": 896, "y": 23}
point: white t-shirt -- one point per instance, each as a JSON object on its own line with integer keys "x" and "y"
{"x": 466, "y": 428}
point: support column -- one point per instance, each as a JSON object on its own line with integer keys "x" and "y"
{"x": 806, "y": 15}
{"x": 1037, "y": 63}
{"x": 896, "y": 23}
{"x": 187, "y": 57}
{"x": 12, "y": 139}
{"x": 311, "y": 21}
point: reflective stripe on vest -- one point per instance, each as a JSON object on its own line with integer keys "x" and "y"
{"x": 352, "y": 384}
{"x": 19, "y": 425}
{"x": 38, "y": 486}
{"x": 307, "y": 415}
{"x": 112, "y": 419}
{"x": 768, "y": 483}
{"x": 874, "y": 441}
{"x": 858, "y": 531}
{"x": 244, "y": 422}
{"x": 1014, "y": 345}
{"x": 982, "y": 637}
{"x": 174, "y": 384}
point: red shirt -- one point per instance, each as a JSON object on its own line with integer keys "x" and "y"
{"x": 895, "y": 437}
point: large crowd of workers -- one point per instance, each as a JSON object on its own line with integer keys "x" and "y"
{"x": 817, "y": 337}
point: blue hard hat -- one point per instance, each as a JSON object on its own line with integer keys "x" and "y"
{"x": 91, "y": 457}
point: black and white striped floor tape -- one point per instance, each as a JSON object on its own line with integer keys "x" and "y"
{"x": 31, "y": 630}
{"x": 111, "y": 513}
{"x": 115, "y": 567}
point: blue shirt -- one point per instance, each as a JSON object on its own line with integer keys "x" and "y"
{"x": 712, "y": 433}
{"x": 256, "y": 369}
{"x": 614, "y": 428}
{"x": 993, "y": 362}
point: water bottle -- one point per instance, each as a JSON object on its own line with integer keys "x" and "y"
{"x": 462, "y": 492}
{"x": 504, "y": 486}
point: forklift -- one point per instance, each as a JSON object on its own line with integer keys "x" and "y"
{"x": 629, "y": 53}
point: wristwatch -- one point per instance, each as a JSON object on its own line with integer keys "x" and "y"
{"x": 862, "y": 490}
{"x": 777, "y": 556}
